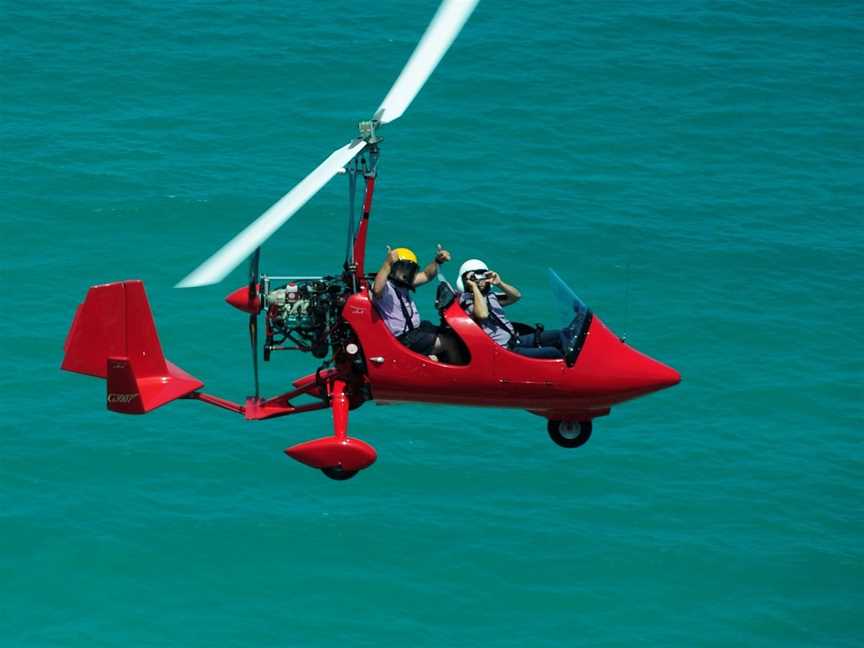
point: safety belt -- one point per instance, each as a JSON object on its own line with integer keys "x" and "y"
{"x": 513, "y": 337}
{"x": 409, "y": 324}
{"x": 494, "y": 317}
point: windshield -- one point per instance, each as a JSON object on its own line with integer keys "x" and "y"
{"x": 575, "y": 315}
{"x": 571, "y": 309}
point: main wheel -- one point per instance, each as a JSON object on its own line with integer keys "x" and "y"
{"x": 570, "y": 434}
{"x": 337, "y": 473}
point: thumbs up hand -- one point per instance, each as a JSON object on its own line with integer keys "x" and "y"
{"x": 441, "y": 255}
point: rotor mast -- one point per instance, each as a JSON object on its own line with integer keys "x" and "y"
{"x": 366, "y": 164}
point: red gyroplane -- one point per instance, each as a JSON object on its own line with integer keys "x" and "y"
{"x": 113, "y": 335}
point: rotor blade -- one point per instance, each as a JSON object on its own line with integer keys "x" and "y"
{"x": 440, "y": 33}
{"x": 214, "y": 269}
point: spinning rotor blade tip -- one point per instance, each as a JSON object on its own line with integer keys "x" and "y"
{"x": 436, "y": 40}
{"x": 187, "y": 282}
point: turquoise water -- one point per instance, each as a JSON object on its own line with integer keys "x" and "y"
{"x": 693, "y": 169}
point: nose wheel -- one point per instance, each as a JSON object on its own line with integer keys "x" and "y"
{"x": 570, "y": 434}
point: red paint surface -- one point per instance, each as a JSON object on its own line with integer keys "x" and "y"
{"x": 360, "y": 241}
{"x": 606, "y": 372}
{"x": 239, "y": 299}
{"x": 331, "y": 452}
{"x": 114, "y": 337}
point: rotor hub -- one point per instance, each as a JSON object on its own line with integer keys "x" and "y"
{"x": 367, "y": 131}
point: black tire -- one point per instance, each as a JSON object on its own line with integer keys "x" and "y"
{"x": 338, "y": 473}
{"x": 570, "y": 434}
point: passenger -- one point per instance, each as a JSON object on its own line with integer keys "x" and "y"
{"x": 487, "y": 309}
{"x": 395, "y": 281}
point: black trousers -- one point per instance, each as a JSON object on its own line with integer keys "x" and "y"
{"x": 421, "y": 339}
{"x": 552, "y": 345}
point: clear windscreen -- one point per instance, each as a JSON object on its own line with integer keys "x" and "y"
{"x": 572, "y": 310}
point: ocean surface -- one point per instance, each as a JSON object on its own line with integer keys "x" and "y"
{"x": 693, "y": 169}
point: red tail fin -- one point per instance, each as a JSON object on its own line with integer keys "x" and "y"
{"x": 113, "y": 337}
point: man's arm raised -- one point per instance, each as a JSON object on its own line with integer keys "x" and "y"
{"x": 384, "y": 272}
{"x": 431, "y": 270}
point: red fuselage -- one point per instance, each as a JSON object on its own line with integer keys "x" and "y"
{"x": 607, "y": 371}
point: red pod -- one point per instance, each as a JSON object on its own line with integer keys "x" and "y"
{"x": 346, "y": 454}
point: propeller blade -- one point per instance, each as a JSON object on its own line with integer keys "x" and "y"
{"x": 253, "y": 274}
{"x": 214, "y": 269}
{"x": 253, "y": 337}
{"x": 440, "y": 33}
{"x": 253, "y": 317}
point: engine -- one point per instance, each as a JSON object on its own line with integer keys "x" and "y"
{"x": 304, "y": 315}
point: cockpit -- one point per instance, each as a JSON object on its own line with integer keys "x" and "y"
{"x": 532, "y": 341}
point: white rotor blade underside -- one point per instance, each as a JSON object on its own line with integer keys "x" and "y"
{"x": 440, "y": 33}
{"x": 215, "y": 269}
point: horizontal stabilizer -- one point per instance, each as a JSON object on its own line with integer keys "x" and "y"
{"x": 113, "y": 336}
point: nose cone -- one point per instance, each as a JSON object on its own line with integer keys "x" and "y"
{"x": 647, "y": 374}
{"x": 239, "y": 299}
{"x": 621, "y": 369}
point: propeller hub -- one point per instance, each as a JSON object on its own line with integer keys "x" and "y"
{"x": 240, "y": 300}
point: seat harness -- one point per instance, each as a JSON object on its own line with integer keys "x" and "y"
{"x": 514, "y": 337}
{"x": 409, "y": 324}
{"x": 512, "y": 331}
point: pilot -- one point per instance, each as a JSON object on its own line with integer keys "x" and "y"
{"x": 487, "y": 309}
{"x": 392, "y": 292}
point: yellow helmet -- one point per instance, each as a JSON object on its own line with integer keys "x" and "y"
{"x": 404, "y": 268}
{"x": 405, "y": 254}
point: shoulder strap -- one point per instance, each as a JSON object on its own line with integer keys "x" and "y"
{"x": 494, "y": 317}
{"x": 409, "y": 325}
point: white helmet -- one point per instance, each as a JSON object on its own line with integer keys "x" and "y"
{"x": 471, "y": 265}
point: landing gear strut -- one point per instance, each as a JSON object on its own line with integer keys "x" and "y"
{"x": 570, "y": 434}
{"x": 339, "y": 457}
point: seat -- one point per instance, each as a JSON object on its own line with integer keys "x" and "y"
{"x": 444, "y": 296}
